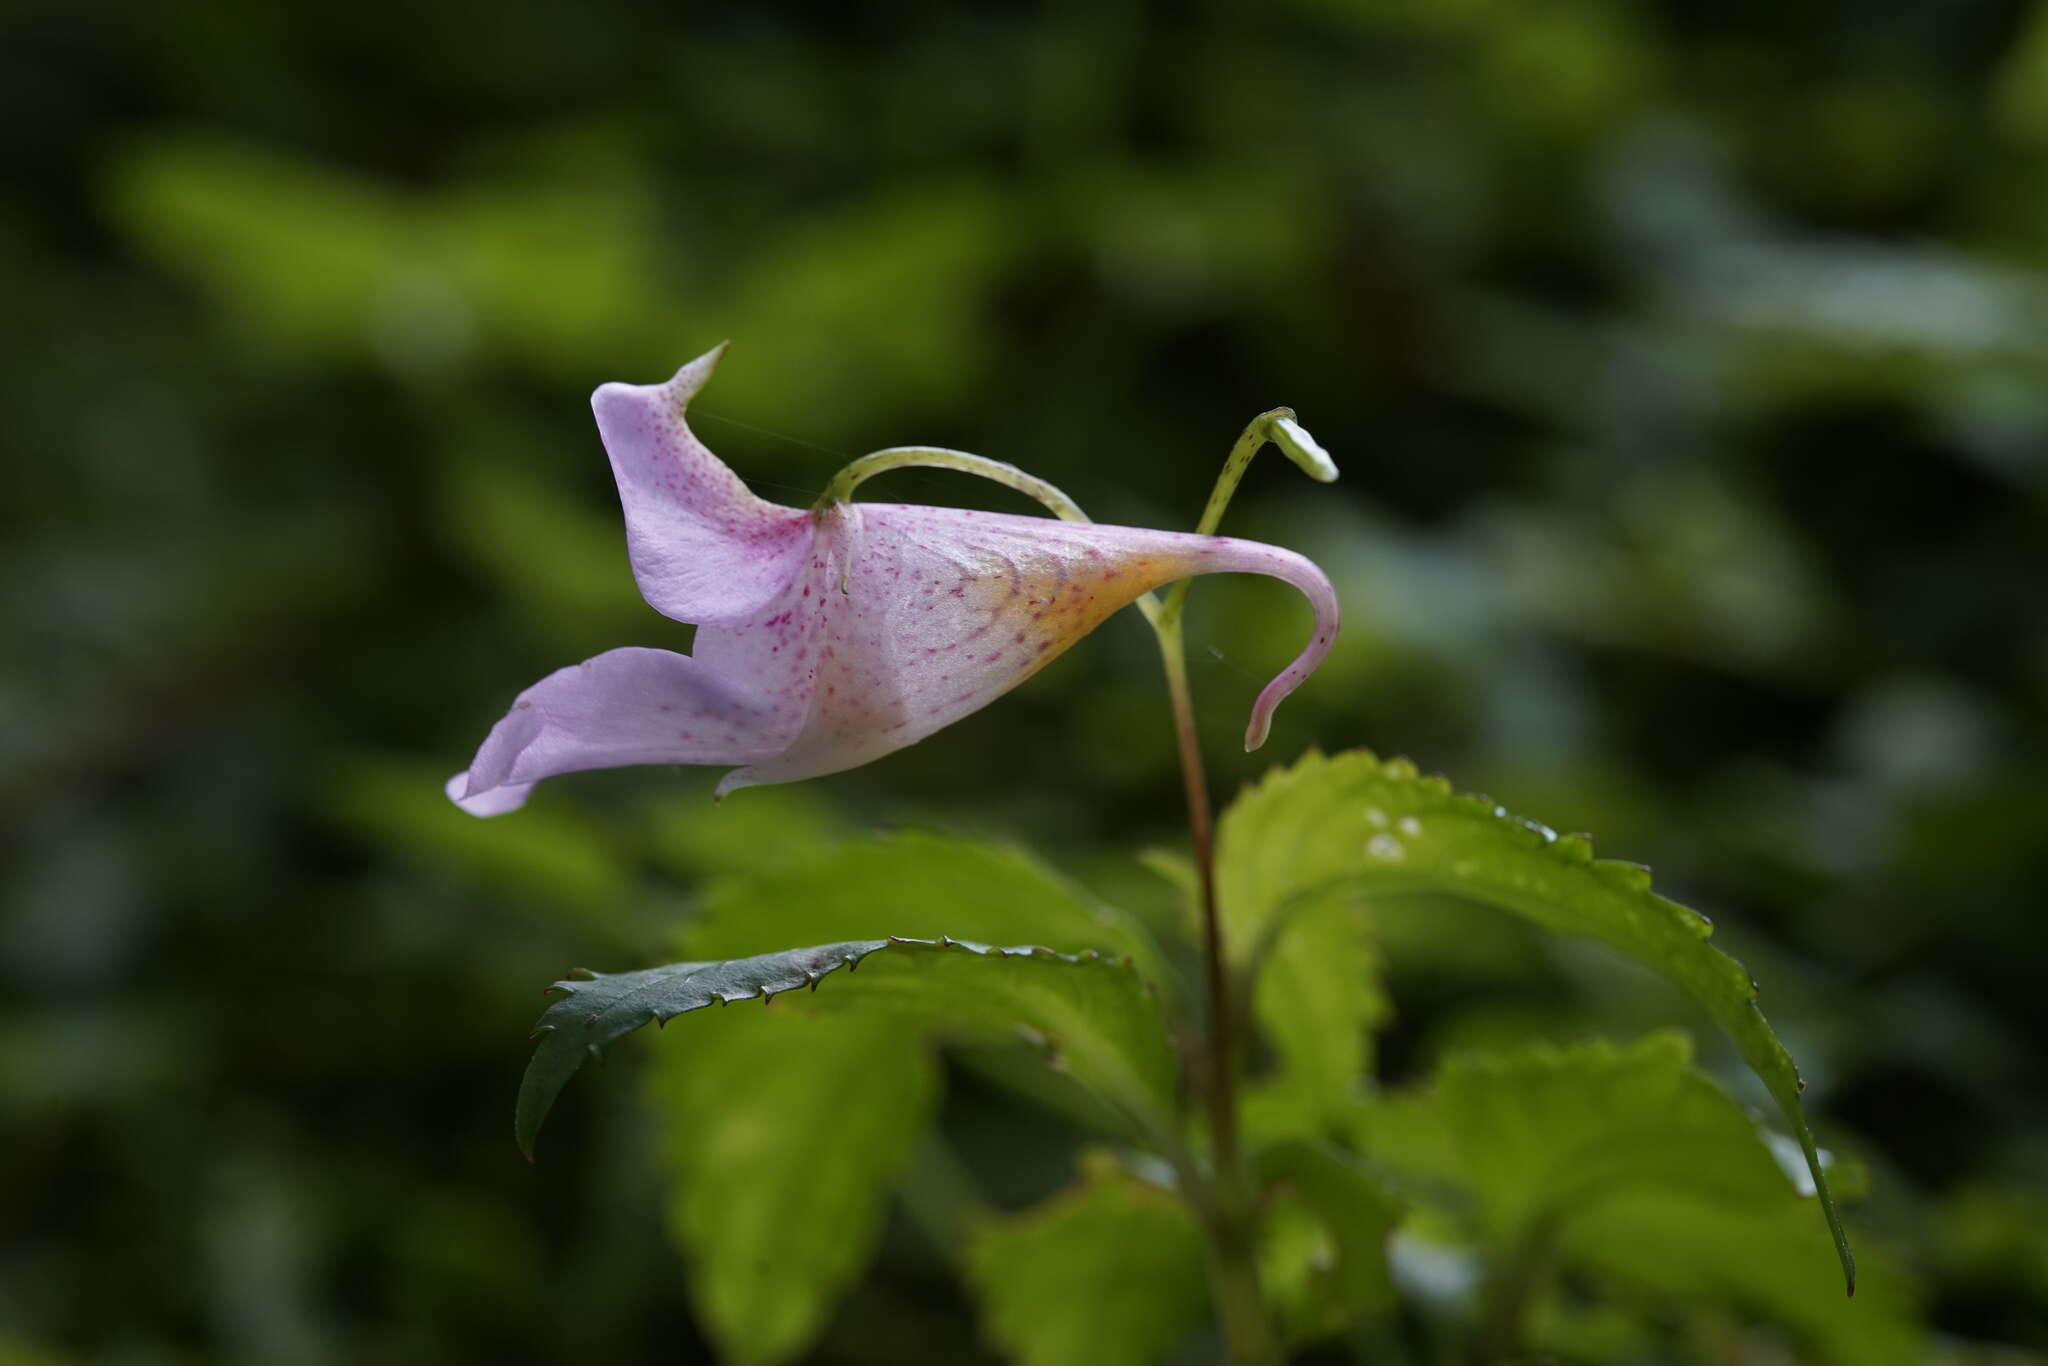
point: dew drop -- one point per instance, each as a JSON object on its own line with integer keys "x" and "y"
{"x": 1410, "y": 826}
{"x": 1385, "y": 847}
{"x": 1376, "y": 817}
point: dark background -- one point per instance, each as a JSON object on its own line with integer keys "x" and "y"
{"x": 1686, "y": 365}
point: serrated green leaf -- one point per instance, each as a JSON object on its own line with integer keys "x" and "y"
{"x": 764, "y": 1287}
{"x": 1323, "y": 1241}
{"x": 1518, "y": 1141}
{"x": 916, "y": 884}
{"x": 1110, "y": 1272}
{"x": 1378, "y": 827}
{"x": 1094, "y": 1017}
{"x": 781, "y": 1133}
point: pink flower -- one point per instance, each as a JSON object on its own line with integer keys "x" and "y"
{"x": 829, "y": 637}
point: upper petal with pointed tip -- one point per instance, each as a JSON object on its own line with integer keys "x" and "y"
{"x": 703, "y": 547}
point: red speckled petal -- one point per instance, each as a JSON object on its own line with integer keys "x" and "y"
{"x": 703, "y": 547}
{"x": 829, "y": 639}
{"x": 946, "y": 610}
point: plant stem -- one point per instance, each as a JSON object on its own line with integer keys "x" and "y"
{"x": 1507, "y": 1296}
{"x": 1222, "y": 1039}
{"x": 1231, "y": 1219}
{"x": 1228, "y": 1208}
{"x": 1234, "y": 1277}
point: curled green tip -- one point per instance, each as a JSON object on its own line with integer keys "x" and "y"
{"x": 1304, "y": 450}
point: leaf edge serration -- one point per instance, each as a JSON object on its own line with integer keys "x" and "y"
{"x": 557, "y": 1057}
{"x": 1737, "y": 1014}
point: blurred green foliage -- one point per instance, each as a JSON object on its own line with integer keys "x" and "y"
{"x": 1111, "y": 1270}
{"x": 1684, "y": 364}
{"x": 784, "y": 1133}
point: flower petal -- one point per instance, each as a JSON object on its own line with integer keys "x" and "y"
{"x": 628, "y": 706}
{"x": 495, "y": 801}
{"x": 703, "y": 547}
{"x": 946, "y": 610}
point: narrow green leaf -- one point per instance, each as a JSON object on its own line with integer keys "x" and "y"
{"x": 1323, "y": 1260}
{"x": 1110, "y": 1272}
{"x": 595, "y": 1009}
{"x": 1378, "y": 827}
{"x": 781, "y": 1135}
{"x": 1093, "y": 1016}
